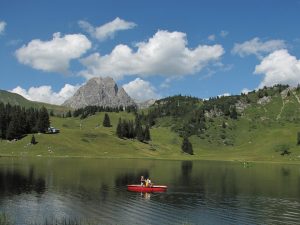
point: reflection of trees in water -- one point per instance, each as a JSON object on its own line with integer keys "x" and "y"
{"x": 186, "y": 170}
{"x": 285, "y": 172}
{"x": 130, "y": 178}
{"x": 13, "y": 182}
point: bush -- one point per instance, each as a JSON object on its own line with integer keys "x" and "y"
{"x": 283, "y": 149}
{"x": 187, "y": 146}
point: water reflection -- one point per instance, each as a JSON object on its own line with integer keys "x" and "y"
{"x": 130, "y": 178}
{"x": 198, "y": 193}
{"x": 186, "y": 171}
{"x": 14, "y": 182}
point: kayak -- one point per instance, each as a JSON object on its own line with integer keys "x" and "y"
{"x": 139, "y": 188}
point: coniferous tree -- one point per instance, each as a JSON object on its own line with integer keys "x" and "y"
{"x": 33, "y": 141}
{"x": 187, "y": 146}
{"x": 13, "y": 130}
{"x": 233, "y": 113}
{"x": 147, "y": 136}
{"x": 119, "y": 129}
{"x": 298, "y": 138}
{"x": 106, "y": 121}
{"x": 69, "y": 114}
{"x": 138, "y": 129}
{"x": 43, "y": 122}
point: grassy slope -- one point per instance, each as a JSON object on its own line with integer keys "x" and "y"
{"x": 253, "y": 137}
{"x": 15, "y": 99}
{"x": 93, "y": 141}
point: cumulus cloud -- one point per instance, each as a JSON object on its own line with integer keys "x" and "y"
{"x": 224, "y": 95}
{"x": 46, "y": 94}
{"x": 141, "y": 90}
{"x": 257, "y": 47}
{"x": 107, "y": 30}
{"x": 54, "y": 55}
{"x": 166, "y": 53}
{"x": 246, "y": 91}
{"x": 279, "y": 67}
{"x": 2, "y": 27}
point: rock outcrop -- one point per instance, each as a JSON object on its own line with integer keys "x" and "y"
{"x": 100, "y": 92}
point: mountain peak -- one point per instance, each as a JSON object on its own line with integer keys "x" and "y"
{"x": 99, "y": 91}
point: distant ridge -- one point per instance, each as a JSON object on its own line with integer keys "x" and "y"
{"x": 99, "y": 91}
{"x": 16, "y": 99}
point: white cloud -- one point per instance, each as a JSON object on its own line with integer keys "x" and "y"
{"x": 224, "y": 95}
{"x": 46, "y": 94}
{"x": 246, "y": 91}
{"x": 107, "y": 30}
{"x": 279, "y": 67}
{"x": 211, "y": 37}
{"x": 2, "y": 27}
{"x": 54, "y": 55}
{"x": 257, "y": 47}
{"x": 141, "y": 90}
{"x": 165, "y": 53}
{"x": 224, "y": 33}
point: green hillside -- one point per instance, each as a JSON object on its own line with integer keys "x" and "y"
{"x": 16, "y": 99}
{"x": 267, "y": 123}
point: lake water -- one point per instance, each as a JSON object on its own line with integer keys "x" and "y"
{"x": 200, "y": 192}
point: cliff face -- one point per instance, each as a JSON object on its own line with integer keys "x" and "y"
{"x": 99, "y": 92}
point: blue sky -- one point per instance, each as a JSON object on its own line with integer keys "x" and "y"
{"x": 153, "y": 48}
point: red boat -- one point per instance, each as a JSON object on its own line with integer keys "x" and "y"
{"x": 139, "y": 188}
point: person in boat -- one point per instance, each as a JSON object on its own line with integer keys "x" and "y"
{"x": 148, "y": 183}
{"x": 142, "y": 181}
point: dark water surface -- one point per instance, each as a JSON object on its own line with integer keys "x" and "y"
{"x": 200, "y": 192}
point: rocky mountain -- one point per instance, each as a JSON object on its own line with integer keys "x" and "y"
{"x": 99, "y": 92}
{"x": 145, "y": 104}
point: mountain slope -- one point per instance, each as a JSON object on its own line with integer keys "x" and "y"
{"x": 99, "y": 92}
{"x": 16, "y": 99}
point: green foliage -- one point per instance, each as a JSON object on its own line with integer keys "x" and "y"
{"x": 16, "y": 121}
{"x": 68, "y": 114}
{"x": 187, "y": 146}
{"x": 33, "y": 141}
{"x": 106, "y": 121}
{"x": 298, "y": 138}
{"x": 283, "y": 149}
{"x": 128, "y": 129}
{"x": 147, "y": 136}
{"x": 43, "y": 121}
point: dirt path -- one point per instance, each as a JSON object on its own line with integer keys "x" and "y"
{"x": 296, "y": 96}
{"x": 283, "y": 104}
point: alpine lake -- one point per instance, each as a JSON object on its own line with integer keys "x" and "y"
{"x": 93, "y": 191}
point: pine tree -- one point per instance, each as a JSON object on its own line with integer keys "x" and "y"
{"x": 233, "y": 113}
{"x": 138, "y": 129}
{"x": 43, "y": 122}
{"x": 106, "y": 121}
{"x": 187, "y": 146}
{"x": 298, "y": 138}
{"x": 33, "y": 141}
{"x": 119, "y": 129}
{"x": 147, "y": 136}
{"x": 69, "y": 114}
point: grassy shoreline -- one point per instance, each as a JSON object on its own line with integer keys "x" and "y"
{"x": 289, "y": 162}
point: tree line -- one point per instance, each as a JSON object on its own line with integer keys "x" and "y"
{"x": 92, "y": 110}
{"x": 133, "y": 129}
{"x": 16, "y": 121}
